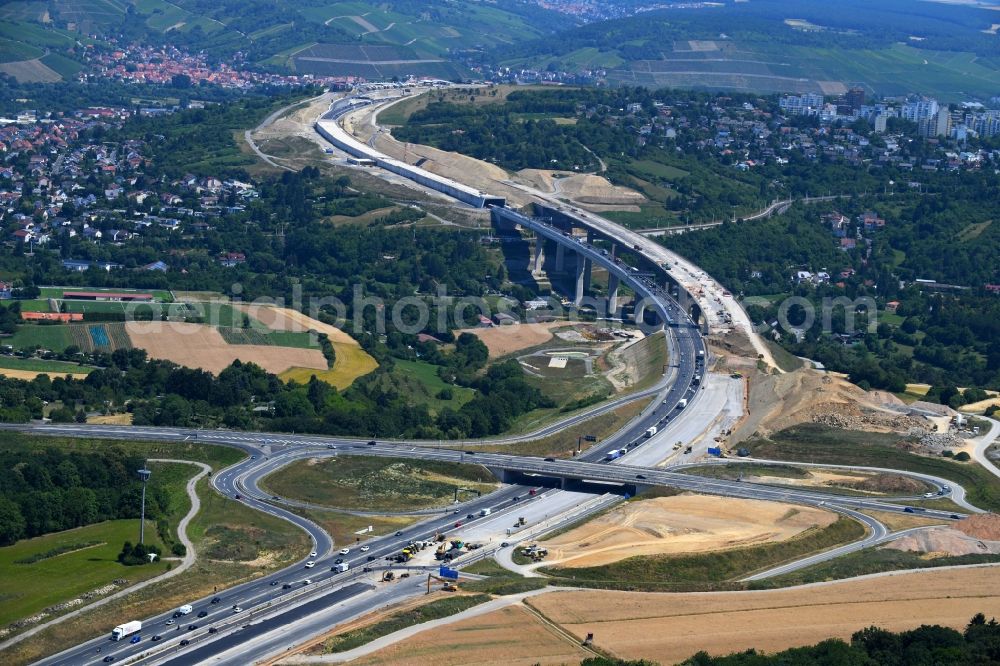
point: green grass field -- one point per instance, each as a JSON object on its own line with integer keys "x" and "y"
{"x": 650, "y": 216}
{"x": 657, "y": 170}
{"x": 256, "y": 336}
{"x": 54, "y": 337}
{"x": 160, "y": 295}
{"x": 28, "y": 588}
{"x": 40, "y": 365}
{"x": 388, "y": 484}
{"x": 430, "y": 385}
{"x": 36, "y": 305}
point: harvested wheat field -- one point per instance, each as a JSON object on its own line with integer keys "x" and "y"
{"x": 680, "y": 524}
{"x": 351, "y": 360}
{"x": 668, "y": 628}
{"x": 28, "y": 375}
{"x": 503, "y": 340}
{"x": 506, "y": 637}
{"x": 201, "y": 346}
{"x": 111, "y": 419}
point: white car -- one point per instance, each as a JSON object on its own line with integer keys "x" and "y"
{"x": 345, "y": 551}
{"x": 312, "y": 554}
{"x": 310, "y": 564}
{"x": 237, "y": 609}
{"x": 364, "y": 549}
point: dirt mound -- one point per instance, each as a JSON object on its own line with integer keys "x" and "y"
{"x": 944, "y": 541}
{"x": 888, "y": 483}
{"x": 680, "y": 524}
{"x": 983, "y": 526}
{"x": 811, "y": 396}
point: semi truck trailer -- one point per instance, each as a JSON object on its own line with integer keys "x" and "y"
{"x": 127, "y": 629}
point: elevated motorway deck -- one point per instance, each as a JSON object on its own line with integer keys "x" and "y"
{"x": 329, "y": 128}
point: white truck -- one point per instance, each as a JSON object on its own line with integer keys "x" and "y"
{"x": 184, "y": 610}
{"x": 127, "y": 629}
{"x": 682, "y": 403}
{"x": 485, "y": 512}
{"x": 342, "y": 567}
{"x": 650, "y": 431}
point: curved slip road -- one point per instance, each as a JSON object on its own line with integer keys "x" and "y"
{"x": 945, "y": 488}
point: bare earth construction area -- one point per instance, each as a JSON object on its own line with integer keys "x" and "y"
{"x": 680, "y": 524}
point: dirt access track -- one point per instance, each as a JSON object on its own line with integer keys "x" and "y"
{"x": 201, "y": 346}
{"x": 680, "y": 524}
{"x": 668, "y": 628}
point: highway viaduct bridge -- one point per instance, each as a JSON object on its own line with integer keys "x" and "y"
{"x": 651, "y": 281}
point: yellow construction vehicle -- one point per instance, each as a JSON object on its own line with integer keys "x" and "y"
{"x": 448, "y": 584}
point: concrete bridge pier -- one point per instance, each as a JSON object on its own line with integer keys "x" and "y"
{"x": 640, "y": 312}
{"x": 613, "y": 282}
{"x": 539, "y": 257}
{"x": 560, "y": 258}
{"x": 582, "y": 270}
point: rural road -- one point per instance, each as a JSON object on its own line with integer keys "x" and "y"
{"x": 186, "y": 562}
{"x": 984, "y": 443}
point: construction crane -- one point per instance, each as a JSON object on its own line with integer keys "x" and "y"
{"x": 449, "y": 584}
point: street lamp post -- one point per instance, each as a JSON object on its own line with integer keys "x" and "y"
{"x": 144, "y": 475}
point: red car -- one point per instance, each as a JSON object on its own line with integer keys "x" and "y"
{"x": 458, "y": 524}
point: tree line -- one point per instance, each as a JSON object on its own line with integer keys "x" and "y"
{"x": 53, "y": 490}
{"x": 247, "y": 397}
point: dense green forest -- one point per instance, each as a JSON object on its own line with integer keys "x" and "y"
{"x": 947, "y": 338}
{"x": 52, "y": 490}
